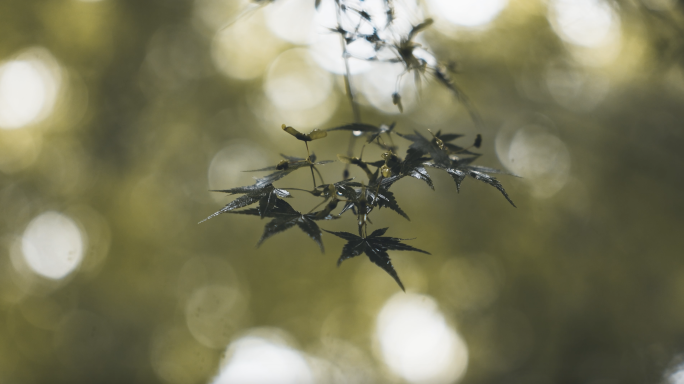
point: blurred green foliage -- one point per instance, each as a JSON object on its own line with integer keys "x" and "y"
{"x": 585, "y": 284}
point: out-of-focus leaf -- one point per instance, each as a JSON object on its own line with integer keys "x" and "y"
{"x": 443, "y": 77}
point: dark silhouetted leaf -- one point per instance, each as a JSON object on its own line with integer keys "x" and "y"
{"x": 460, "y": 168}
{"x": 413, "y": 165}
{"x": 384, "y": 198}
{"x": 438, "y": 148}
{"x": 375, "y": 247}
{"x": 266, "y": 196}
{"x": 284, "y": 218}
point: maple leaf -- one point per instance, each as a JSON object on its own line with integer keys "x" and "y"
{"x": 413, "y": 165}
{"x": 442, "y": 77}
{"x": 286, "y": 217}
{"x": 460, "y": 168}
{"x": 375, "y": 247}
{"x": 266, "y": 195}
{"x": 344, "y": 188}
{"x": 382, "y": 197}
{"x": 376, "y": 195}
{"x": 263, "y": 190}
{"x": 439, "y": 148}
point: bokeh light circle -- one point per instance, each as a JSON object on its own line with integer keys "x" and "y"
{"x": 227, "y": 167}
{"x": 295, "y": 82}
{"x": 213, "y": 313}
{"x": 52, "y": 245}
{"x": 291, "y": 20}
{"x": 245, "y": 52}
{"x": 256, "y": 360}
{"x": 377, "y": 86}
{"x": 536, "y": 154}
{"x": 29, "y": 85}
{"x": 468, "y": 13}
{"x": 417, "y": 343}
{"x": 588, "y": 23}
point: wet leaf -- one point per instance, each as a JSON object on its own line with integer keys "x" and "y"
{"x": 439, "y": 148}
{"x": 286, "y": 217}
{"x": 265, "y": 195}
{"x": 375, "y": 247}
{"x": 459, "y": 169}
{"x": 413, "y": 165}
{"x": 384, "y": 198}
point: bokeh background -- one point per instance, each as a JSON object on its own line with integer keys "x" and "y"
{"x": 118, "y": 116}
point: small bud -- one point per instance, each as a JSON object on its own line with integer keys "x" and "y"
{"x": 396, "y": 100}
{"x": 385, "y": 170}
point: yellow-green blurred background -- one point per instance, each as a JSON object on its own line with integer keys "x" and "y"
{"x": 118, "y": 116}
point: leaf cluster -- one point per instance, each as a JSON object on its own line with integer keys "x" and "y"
{"x": 357, "y": 21}
{"x": 361, "y": 198}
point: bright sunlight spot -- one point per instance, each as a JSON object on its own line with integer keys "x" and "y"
{"x": 536, "y": 154}
{"x": 228, "y": 165}
{"x": 468, "y": 13}
{"x": 291, "y": 20}
{"x": 589, "y": 23}
{"x": 417, "y": 343}
{"x": 245, "y": 52}
{"x": 677, "y": 377}
{"x": 258, "y": 360}
{"x": 28, "y": 88}
{"x": 295, "y": 82}
{"x": 378, "y": 85}
{"x": 52, "y": 245}
{"x": 213, "y": 313}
